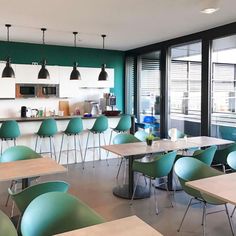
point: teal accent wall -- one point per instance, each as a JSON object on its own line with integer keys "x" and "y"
{"x": 26, "y": 53}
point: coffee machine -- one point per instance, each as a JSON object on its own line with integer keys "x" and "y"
{"x": 108, "y": 102}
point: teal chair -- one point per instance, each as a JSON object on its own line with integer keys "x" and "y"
{"x": 231, "y": 161}
{"x": 121, "y": 139}
{"x": 189, "y": 169}
{"x": 23, "y": 198}
{"x": 220, "y": 157}
{"x": 160, "y": 167}
{"x": 18, "y": 153}
{"x": 74, "y": 128}
{"x": 142, "y": 135}
{"x": 47, "y": 129}
{"x": 6, "y": 226}
{"x": 99, "y": 127}
{"x": 228, "y": 132}
{"x": 55, "y": 212}
{"x": 9, "y": 131}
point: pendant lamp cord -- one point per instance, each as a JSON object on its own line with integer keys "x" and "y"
{"x": 103, "y": 41}
{"x": 75, "y": 38}
{"x": 8, "y": 37}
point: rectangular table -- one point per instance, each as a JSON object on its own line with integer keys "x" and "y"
{"x": 29, "y": 168}
{"x": 130, "y": 150}
{"x": 123, "y": 227}
{"x": 222, "y": 187}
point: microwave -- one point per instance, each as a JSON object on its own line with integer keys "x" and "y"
{"x": 26, "y": 90}
{"x": 48, "y": 90}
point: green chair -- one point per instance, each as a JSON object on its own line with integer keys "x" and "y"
{"x": 54, "y": 213}
{"x": 231, "y": 161}
{"x": 23, "y": 198}
{"x": 189, "y": 169}
{"x": 99, "y": 127}
{"x": 6, "y": 226}
{"x": 228, "y": 132}
{"x": 74, "y": 128}
{"x": 18, "y": 153}
{"x": 121, "y": 139}
{"x": 47, "y": 129}
{"x": 220, "y": 157}
{"x": 158, "y": 168}
{"x": 9, "y": 131}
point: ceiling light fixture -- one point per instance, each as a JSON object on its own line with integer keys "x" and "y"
{"x": 210, "y": 6}
{"x": 75, "y": 74}
{"x": 43, "y": 73}
{"x": 103, "y": 74}
{"x": 8, "y": 72}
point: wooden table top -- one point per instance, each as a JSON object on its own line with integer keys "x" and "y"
{"x": 123, "y": 227}
{"x": 163, "y": 145}
{"x": 222, "y": 187}
{"x": 29, "y": 168}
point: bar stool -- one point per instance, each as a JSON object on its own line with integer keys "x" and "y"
{"x": 99, "y": 127}
{"x": 74, "y": 127}
{"x": 9, "y": 131}
{"x": 48, "y": 129}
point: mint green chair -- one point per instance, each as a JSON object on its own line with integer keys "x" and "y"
{"x": 6, "y": 226}
{"x": 23, "y": 198}
{"x": 189, "y": 169}
{"x": 9, "y": 131}
{"x": 99, "y": 127}
{"x": 17, "y": 153}
{"x": 220, "y": 157}
{"x": 160, "y": 167}
{"x": 228, "y": 132}
{"x": 47, "y": 129}
{"x": 55, "y": 212}
{"x": 74, "y": 128}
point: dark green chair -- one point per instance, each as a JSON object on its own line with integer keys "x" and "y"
{"x": 228, "y": 132}
{"x": 220, "y": 157}
{"x": 54, "y": 213}
{"x": 74, "y": 128}
{"x": 158, "y": 168}
{"x": 9, "y": 131}
{"x": 121, "y": 139}
{"x": 189, "y": 169}
{"x": 99, "y": 127}
{"x": 47, "y": 129}
{"x": 6, "y": 226}
{"x": 23, "y": 198}
{"x": 18, "y": 153}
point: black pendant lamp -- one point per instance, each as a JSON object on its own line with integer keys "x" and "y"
{"x": 43, "y": 73}
{"x": 75, "y": 74}
{"x": 8, "y": 72}
{"x": 103, "y": 74}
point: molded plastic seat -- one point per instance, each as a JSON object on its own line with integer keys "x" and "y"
{"x": 142, "y": 135}
{"x": 159, "y": 167}
{"x": 124, "y": 124}
{"x": 188, "y": 169}
{"x": 6, "y": 226}
{"x": 227, "y": 132}
{"x": 74, "y": 127}
{"x": 54, "y": 213}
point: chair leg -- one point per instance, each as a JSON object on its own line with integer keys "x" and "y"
{"x": 168, "y": 192}
{"x": 86, "y": 146}
{"x": 109, "y": 142}
{"x": 104, "y": 140}
{"x": 50, "y": 144}
{"x": 75, "y": 149}
{"x": 189, "y": 204}
{"x": 13, "y": 203}
{"x": 1, "y": 146}
{"x": 223, "y": 167}
{"x": 204, "y": 218}
{"x": 36, "y": 143}
{"x": 119, "y": 167}
{"x": 233, "y": 211}
{"x": 136, "y": 184}
{"x": 80, "y": 149}
{"x": 99, "y": 146}
{"x": 67, "y": 152}
{"x": 93, "y": 150}
{"x": 156, "y": 202}
{"x": 230, "y": 222}
{"x": 62, "y": 139}
{"x": 14, "y": 140}
{"x": 54, "y": 149}
{"x": 8, "y": 197}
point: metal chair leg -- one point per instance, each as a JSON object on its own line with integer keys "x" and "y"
{"x": 80, "y": 149}
{"x": 1, "y": 146}
{"x": 8, "y": 197}
{"x": 109, "y": 142}
{"x": 54, "y": 149}
{"x": 136, "y": 184}
{"x": 168, "y": 192}
{"x": 104, "y": 140}
{"x": 99, "y": 146}
{"x": 230, "y": 222}
{"x": 75, "y": 149}
{"x": 233, "y": 211}
{"x": 93, "y": 150}
{"x": 67, "y": 152}
{"x": 119, "y": 167}
{"x": 189, "y": 204}
{"x": 14, "y": 140}
{"x": 62, "y": 139}
{"x": 50, "y": 143}
{"x": 156, "y": 202}
{"x": 204, "y": 218}
{"x": 86, "y": 146}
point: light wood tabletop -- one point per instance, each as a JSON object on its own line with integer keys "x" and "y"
{"x": 222, "y": 187}
{"x": 123, "y": 227}
{"x": 29, "y": 168}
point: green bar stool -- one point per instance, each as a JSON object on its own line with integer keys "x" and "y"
{"x": 74, "y": 128}
{"x": 99, "y": 127}
{"x": 48, "y": 129}
{"x": 6, "y": 226}
{"x": 9, "y": 131}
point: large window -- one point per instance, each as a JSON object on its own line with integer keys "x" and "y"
{"x": 223, "y": 84}
{"x": 185, "y": 88}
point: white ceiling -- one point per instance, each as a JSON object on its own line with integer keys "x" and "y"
{"x": 127, "y": 23}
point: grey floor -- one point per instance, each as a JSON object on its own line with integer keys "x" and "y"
{"x": 94, "y": 187}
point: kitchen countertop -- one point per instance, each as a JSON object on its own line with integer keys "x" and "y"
{"x": 19, "y": 119}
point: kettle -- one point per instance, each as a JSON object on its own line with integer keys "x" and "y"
{"x": 28, "y": 112}
{"x": 95, "y": 109}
